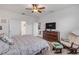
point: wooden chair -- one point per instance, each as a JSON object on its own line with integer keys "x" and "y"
{"x": 72, "y": 49}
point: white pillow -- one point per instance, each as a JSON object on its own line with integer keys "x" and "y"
{"x": 76, "y": 32}
{"x": 1, "y": 35}
{"x": 3, "y": 47}
{"x": 7, "y": 40}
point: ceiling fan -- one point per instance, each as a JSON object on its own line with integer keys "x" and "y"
{"x": 36, "y": 8}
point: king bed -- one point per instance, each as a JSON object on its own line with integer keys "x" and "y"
{"x": 23, "y": 45}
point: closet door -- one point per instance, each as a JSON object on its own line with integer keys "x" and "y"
{"x": 23, "y": 27}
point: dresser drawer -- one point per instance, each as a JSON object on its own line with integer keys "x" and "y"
{"x": 50, "y": 36}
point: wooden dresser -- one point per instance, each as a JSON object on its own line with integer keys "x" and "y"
{"x": 51, "y": 36}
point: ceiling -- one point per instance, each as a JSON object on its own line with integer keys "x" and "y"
{"x": 20, "y": 8}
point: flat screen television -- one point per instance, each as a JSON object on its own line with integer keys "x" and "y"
{"x": 51, "y": 25}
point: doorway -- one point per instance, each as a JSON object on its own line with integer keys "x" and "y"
{"x": 23, "y": 27}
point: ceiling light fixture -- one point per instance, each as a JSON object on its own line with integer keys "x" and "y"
{"x": 36, "y": 8}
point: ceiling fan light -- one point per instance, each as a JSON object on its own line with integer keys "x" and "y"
{"x": 35, "y": 10}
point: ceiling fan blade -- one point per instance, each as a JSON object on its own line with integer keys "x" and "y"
{"x": 42, "y": 8}
{"x": 32, "y": 11}
{"x": 35, "y": 6}
{"x": 28, "y": 8}
{"x": 39, "y": 11}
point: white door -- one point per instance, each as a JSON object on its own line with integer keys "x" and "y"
{"x": 23, "y": 27}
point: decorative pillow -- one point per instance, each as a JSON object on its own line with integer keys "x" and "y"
{"x": 72, "y": 37}
{"x": 7, "y": 40}
{"x": 1, "y": 35}
{"x": 3, "y": 47}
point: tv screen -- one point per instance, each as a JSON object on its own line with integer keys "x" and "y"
{"x": 51, "y": 25}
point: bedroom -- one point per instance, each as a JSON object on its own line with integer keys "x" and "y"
{"x": 18, "y": 20}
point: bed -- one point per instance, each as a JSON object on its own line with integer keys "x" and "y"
{"x": 24, "y": 45}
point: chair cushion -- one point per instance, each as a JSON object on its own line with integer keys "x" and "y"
{"x": 66, "y": 43}
{"x": 57, "y": 45}
{"x": 73, "y": 38}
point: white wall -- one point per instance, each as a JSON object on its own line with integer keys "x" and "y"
{"x": 13, "y": 26}
{"x": 35, "y": 29}
{"x": 67, "y": 20}
{"x": 30, "y": 21}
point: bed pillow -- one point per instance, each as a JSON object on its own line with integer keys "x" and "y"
{"x": 4, "y": 48}
{"x": 1, "y": 35}
{"x": 7, "y": 40}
